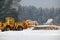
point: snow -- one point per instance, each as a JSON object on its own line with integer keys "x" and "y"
{"x": 49, "y": 21}
{"x": 30, "y": 35}
{"x": 42, "y": 25}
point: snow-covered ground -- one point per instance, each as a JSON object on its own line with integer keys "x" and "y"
{"x": 31, "y": 35}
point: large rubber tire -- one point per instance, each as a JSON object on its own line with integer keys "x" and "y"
{"x": 19, "y": 28}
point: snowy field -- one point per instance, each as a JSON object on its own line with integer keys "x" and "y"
{"x": 30, "y": 35}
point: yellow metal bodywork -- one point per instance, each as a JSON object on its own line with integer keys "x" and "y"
{"x": 11, "y": 22}
{"x": 0, "y": 25}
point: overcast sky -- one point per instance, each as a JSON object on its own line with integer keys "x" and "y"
{"x": 41, "y": 3}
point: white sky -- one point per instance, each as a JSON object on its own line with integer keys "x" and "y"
{"x": 41, "y": 3}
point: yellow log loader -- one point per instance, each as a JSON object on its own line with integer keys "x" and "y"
{"x": 10, "y": 24}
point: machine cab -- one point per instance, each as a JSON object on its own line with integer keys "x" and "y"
{"x": 10, "y": 20}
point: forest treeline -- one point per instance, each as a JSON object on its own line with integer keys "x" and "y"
{"x": 11, "y": 8}
{"x": 39, "y": 14}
